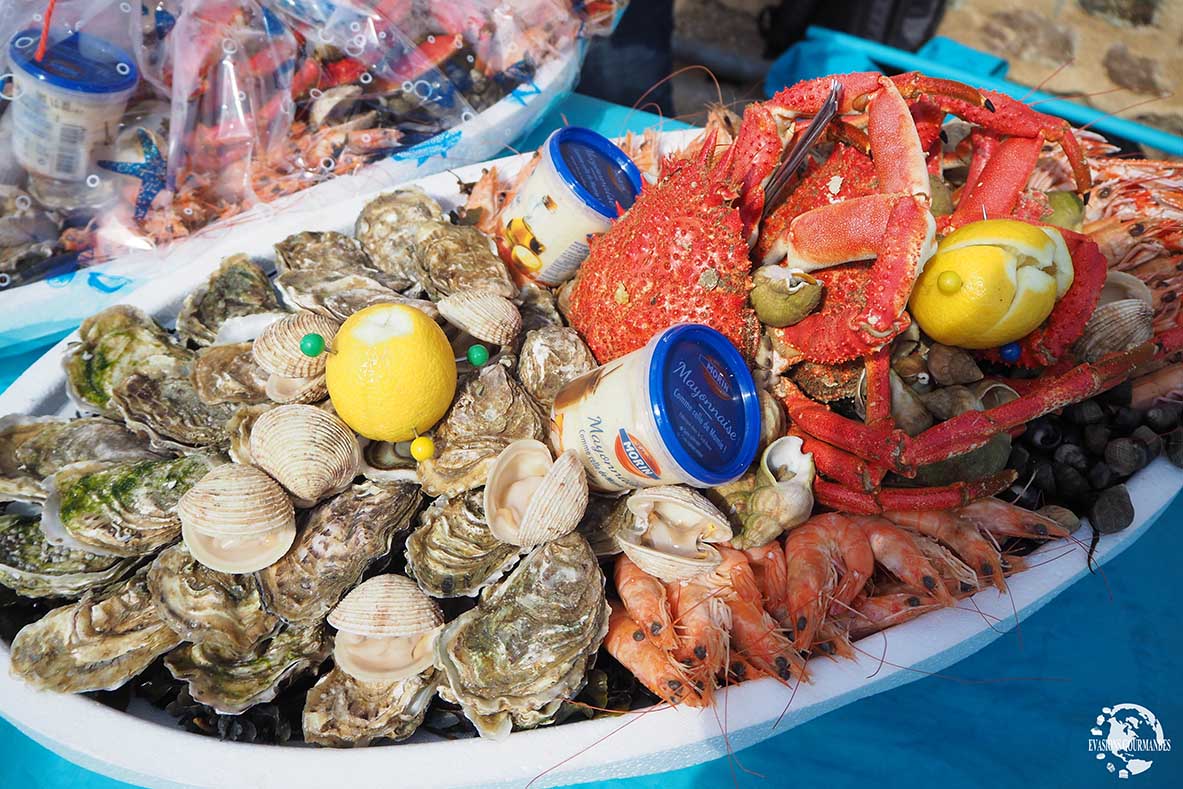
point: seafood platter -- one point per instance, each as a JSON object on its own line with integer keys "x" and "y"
{"x": 674, "y": 434}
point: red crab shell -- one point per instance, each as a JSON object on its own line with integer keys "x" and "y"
{"x": 677, "y": 256}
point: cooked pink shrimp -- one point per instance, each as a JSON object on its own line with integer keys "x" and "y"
{"x": 644, "y": 597}
{"x": 961, "y": 536}
{"x": 828, "y": 560}
{"x": 702, "y": 626}
{"x": 768, "y": 563}
{"x": 872, "y": 614}
{"x": 651, "y": 665}
{"x": 895, "y": 549}
{"x": 1000, "y": 519}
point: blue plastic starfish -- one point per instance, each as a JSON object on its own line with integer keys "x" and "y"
{"x": 152, "y": 172}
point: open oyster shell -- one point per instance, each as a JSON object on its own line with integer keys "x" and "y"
{"x": 228, "y": 374}
{"x": 160, "y": 402}
{"x": 32, "y": 567}
{"x": 113, "y": 345}
{"x": 338, "y": 541}
{"x": 491, "y": 411}
{"x": 237, "y": 288}
{"x": 458, "y": 258}
{"x": 232, "y": 683}
{"x": 120, "y": 509}
{"x": 97, "y": 643}
{"x": 387, "y": 228}
{"x": 33, "y": 447}
{"x": 341, "y": 711}
{"x": 453, "y": 553}
{"x": 551, "y": 357}
{"x": 206, "y": 606}
{"x": 526, "y": 647}
{"x": 337, "y": 296}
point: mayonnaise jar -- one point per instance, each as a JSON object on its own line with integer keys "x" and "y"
{"x": 681, "y": 410}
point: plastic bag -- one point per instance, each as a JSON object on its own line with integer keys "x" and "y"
{"x": 239, "y": 107}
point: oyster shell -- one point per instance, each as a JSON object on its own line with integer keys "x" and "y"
{"x": 386, "y": 629}
{"x": 328, "y": 252}
{"x": 491, "y": 411}
{"x": 97, "y": 643}
{"x": 606, "y": 516}
{"x": 530, "y": 498}
{"x": 341, "y": 711}
{"x": 337, "y": 542}
{"x": 538, "y": 308}
{"x": 338, "y": 296}
{"x": 32, "y": 567}
{"x": 237, "y": 288}
{"x": 33, "y": 447}
{"x": 453, "y": 553}
{"x": 120, "y": 509}
{"x": 232, "y": 683}
{"x": 386, "y": 461}
{"x": 458, "y": 258}
{"x": 208, "y": 607}
{"x": 311, "y": 452}
{"x": 549, "y": 358}
{"x": 387, "y": 228}
{"x": 526, "y": 647}
{"x": 159, "y": 401}
{"x": 114, "y": 344}
{"x": 672, "y": 528}
{"x": 228, "y": 374}
{"x": 246, "y": 328}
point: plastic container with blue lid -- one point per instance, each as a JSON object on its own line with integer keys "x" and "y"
{"x": 68, "y": 102}
{"x": 581, "y": 183}
{"x": 682, "y": 410}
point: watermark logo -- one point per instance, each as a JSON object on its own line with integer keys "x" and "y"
{"x": 1127, "y": 738}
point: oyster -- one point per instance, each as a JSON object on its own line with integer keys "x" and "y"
{"x": 114, "y": 344}
{"x": 33, "y": 447}
{"x": 672, "y": 530}
{"x": 386, "y": 629}
{"x": 329, "y": 252}
{"x": 32, "y": 567}
{"x": 343, "y": 711}
{"x": 97, "y": 643}
{"x": 606, "y": 516}
{"x": 549, "y": 358}
{"x": 338, "y": 296}
{"x": 538, "y": 309}
{"x": 337, "y": 542}
{"x": 387, "y": 228}
{"x": 159, "y": 401}
{"x": 528, "y": 644}
{"x": 237, "y": 288}
{"x": 120, "y": 509}
{"x": 232, "y": 683}
{"x": 206, "y": 606}
{"x": 531, "y": 498}
{"x": 458, "y": 258}
{"x": 491, "y": 411}
{"x": 453, "y": 553}
{"x": 228, "y": 374}
{"x": 387, "y": 461}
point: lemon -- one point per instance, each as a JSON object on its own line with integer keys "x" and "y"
{"x": 391, "y": 373}
{"x": 991, "y": 283}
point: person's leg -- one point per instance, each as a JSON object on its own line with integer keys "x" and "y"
{"x": 637, "y": 55}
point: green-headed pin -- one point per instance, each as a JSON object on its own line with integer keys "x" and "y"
{"x": 477, "y": 355}
{"x": 312, "y": 345}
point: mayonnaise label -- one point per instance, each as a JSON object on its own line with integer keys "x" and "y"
{"x": 633, "y": 456}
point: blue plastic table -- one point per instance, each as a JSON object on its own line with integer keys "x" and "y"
{"x": 957, "y": 730}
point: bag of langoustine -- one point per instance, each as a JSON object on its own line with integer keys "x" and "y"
{"x": 129, "y": 127}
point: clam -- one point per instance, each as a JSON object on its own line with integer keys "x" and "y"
{"x": 293, "y": 376}
{"x": 119, "y": 509}
{"x": 458, "y": 258}
{"x": 1121, "y": 285}
{"x": 782, "y": 296}
{"x": 950, "y": 365}
{"x": 237, "y": 519}
{"x": 342, "y": 711}
{"x": 550, "y": 358}
{"x": 97, "y": 643}
{"x": 232, "y": 682}
{"x": 1120, "y": 325}
{"x": 526, "y": 647}
{"x": 159, "y": 401}
{"x": 228, "y": 374}
{"x": 31, "y": 566}
{"x": 530, "y": 498}
{"x": 386, "y": 629}
{"x": 671, "y": 531}
{"x": 782, "y": 497}
{"x": 486, "y": 316}
{"x": 238, "y": 429}
{"x": 338, "y": 541}
{"x": 237, "y": 288}
{"x": 453, "y": 553}
{"x": 312, "y": 453}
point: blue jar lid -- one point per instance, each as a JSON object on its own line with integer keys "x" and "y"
{"x": 80, "y": 62}
{"x": 599, "y": 173}
{"x": 704, "y": 403}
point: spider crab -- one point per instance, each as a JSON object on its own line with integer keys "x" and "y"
{"x": 684, "y": 252}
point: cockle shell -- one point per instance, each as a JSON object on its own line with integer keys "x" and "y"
{"x": 672, "y": 513}
{"x": 277, "y": 349}
{"x": 1117, "y": 326}
{"x": 236, "y": 502}
{"x": 556, "y": 491}
{"x": 1121, "y": 285}
{"x": 312, "y": 453}
{"x": 386, "y": 606}
{"x": 486, "y": 316}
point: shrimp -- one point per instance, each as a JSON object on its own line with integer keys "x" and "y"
{"x": 959, "y": 535}
{"x": 768, "y": 563}
{"x": 644, "y": 597}
{"x": 959, "y": 577}
{"x": 651, "y": 665}
{"x": 702, "y": 623}
{"x": 879, "y": 612}
{"x": 828, "y": 558}
{"x": 1000, "y": 519}
{"x": 895, "y": 549}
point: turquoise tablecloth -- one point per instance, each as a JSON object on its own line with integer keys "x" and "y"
{"x": 1120, "y": 643}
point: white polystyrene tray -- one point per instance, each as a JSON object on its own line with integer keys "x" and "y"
{"x": 149, "y": 750}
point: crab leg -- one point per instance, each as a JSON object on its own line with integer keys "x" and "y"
{"x": 840, "y": 497}
{"x": 1002, "y": 178}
